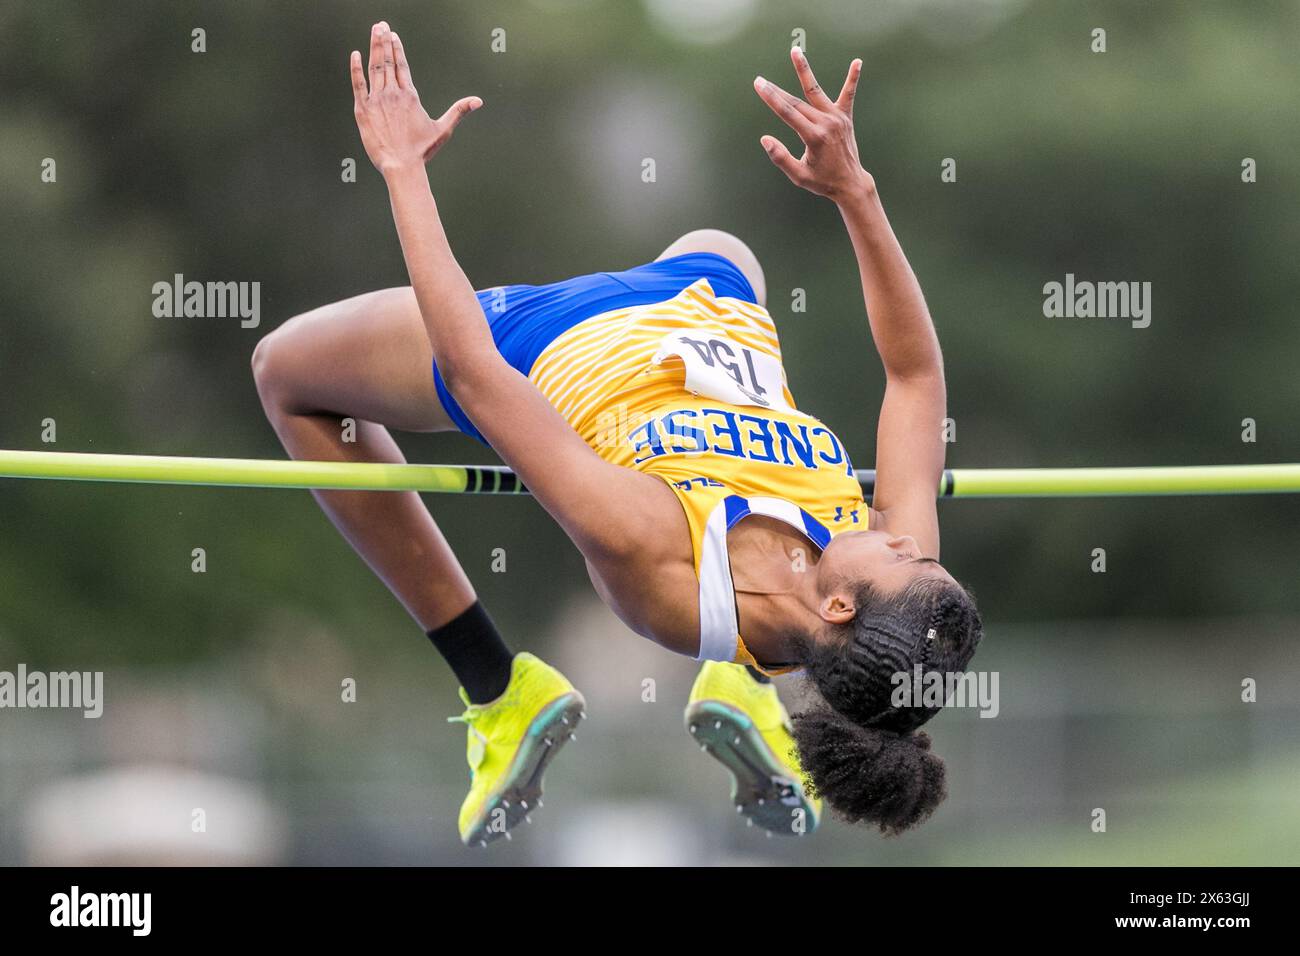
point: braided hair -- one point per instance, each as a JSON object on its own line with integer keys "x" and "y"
{"x": 863, "y": 754}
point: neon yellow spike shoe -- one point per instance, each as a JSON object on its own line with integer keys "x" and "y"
{"x": 511, "y": 742}
{"x": 743, "y": 724}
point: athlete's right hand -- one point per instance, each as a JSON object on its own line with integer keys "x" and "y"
{"x": 395, "y": 129}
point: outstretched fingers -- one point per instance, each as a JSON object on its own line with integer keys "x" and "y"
{"x": 378, "y": 47}
{"x": 358, "y": 79}
{"x": 457, "y": 112}
{"x": 850, "y": 88}
{"x": 793, "y": 111}
{"x": 390, "y": 74}
{"x": 400, "y": 66}
{"x": 811, "y": 88}
{"x": 783, "y": 160}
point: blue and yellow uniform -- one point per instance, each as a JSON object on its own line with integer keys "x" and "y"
{"x": 673, "y": 369}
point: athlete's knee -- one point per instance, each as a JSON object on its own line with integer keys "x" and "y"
{"x": 273, "y": 364}
{"x": 704, "y": 240}
{"x": 730, "y": 247}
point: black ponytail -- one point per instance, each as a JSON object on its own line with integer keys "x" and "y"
{"x": 869, "y": 775}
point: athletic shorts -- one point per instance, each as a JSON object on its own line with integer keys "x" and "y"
{"x": 525, "y": 319}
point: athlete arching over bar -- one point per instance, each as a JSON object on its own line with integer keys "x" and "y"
{"x": 647, "y": 411}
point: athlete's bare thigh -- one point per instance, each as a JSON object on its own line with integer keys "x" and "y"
{"x": 367, "y": 357}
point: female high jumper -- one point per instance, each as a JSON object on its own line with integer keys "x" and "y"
{"x": 647, "y": 411}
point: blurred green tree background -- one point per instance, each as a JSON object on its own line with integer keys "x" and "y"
{"x": 227, "y": 165}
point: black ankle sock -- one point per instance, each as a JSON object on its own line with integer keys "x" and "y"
{"x": 471, "y": 646}
{"x": 758, "y": 675}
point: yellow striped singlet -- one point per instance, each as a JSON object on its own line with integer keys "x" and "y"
{"x": 692, "y": 390}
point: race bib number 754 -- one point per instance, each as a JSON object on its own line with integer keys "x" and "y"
{"x": 720, "y": 368}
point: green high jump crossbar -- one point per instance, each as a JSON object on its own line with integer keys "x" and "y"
{"x": 489, "y": 479}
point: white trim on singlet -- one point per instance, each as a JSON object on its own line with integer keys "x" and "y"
{"x": 719, "y": 622}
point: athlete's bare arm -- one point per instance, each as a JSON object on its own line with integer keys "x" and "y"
{"x": 610, "y": 513}
{"x": 909, "y": 439}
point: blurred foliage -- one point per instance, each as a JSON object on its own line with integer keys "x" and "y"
{"x": 226, "y": 165}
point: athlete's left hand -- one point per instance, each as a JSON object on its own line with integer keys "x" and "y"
{"x": 395, "y": 129}
{"x": 829, "y": 165}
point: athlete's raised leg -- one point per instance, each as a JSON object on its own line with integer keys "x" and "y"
{"x": 368, "y": 358}
{"x": 727, "y": 246}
